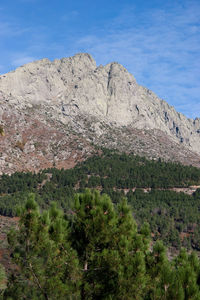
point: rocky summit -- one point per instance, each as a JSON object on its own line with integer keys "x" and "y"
{"x": 56, "y": 113}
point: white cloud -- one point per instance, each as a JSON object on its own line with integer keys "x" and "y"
{"x": 162, "y": 52}
{"x": 5, "y": 29}
{"x": 10, "y": 29}
{"x": 160, "y": 47}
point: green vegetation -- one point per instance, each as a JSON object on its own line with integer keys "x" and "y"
{"x": 173, "y": 217}
{"x": 3, "y": 280}
{"x": 94, "y": 252}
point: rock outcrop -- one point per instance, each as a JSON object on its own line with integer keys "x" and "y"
{"x": 100, "y": 105}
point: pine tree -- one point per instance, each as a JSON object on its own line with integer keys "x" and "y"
{"x": 47, "y": 265}
{"x": 162, "y": 278}
{"x": 95, "y": 252}
{"x": 188, "y": 274}
{"x": 110, "y": 250}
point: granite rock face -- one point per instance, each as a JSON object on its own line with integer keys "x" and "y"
{"x": 89, "y": 100}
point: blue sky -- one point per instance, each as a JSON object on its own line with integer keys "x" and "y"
{"x": 158, "y": 41}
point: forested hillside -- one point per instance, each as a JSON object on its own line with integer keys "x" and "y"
{"x": 173, "y": 217}
{"x": 94, "y": 252}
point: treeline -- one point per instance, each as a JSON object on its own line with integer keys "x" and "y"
{"x": 95, "y": 251}
{"x": 123, "y": 171}
{"x": 173, "y": 217}
{"x": 109, "y": 170}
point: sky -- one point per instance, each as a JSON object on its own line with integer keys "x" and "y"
{"x": 158, "y": 41}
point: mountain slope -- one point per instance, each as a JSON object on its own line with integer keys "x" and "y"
{"x": 53, "y": 113}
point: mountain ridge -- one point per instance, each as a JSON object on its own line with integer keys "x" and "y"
{"x": 100, "y": 105}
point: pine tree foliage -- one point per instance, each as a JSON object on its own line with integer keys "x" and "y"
{"x": 169, "y": 213}
{"x": 94, "y": 252}
{"x": 48, "y": 266}
{"x": 110, "y": 250}
{"x": 3, "y": 281}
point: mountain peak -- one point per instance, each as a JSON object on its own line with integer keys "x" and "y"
{"x": 79, "y": 95}
{"x": 79, "y": 59}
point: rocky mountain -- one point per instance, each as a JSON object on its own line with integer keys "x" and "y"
{"x": 55, "y": 113}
